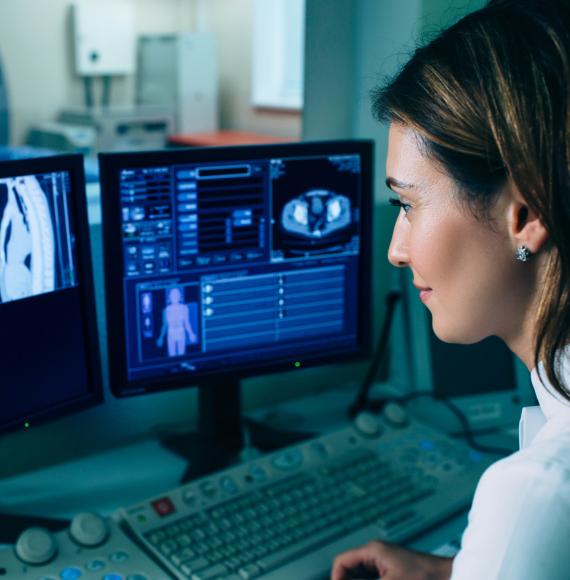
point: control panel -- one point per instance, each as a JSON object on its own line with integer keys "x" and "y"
{"x": 93, "y": 548}
{"x": 432, "y": 477}
{"x": 171, "y": 526}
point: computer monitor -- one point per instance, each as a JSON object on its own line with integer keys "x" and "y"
{"x": 49, "y": 352}
{"x": 485, "y": 381}
{"x": 224, "y": 263}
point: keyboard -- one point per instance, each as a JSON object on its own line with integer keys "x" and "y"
{"x": 287, "y": 514}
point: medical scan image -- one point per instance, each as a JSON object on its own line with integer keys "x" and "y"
{"x": 169, "y": 321}
{"x": 36, "y": 245}
{"x": 315, "y": 212}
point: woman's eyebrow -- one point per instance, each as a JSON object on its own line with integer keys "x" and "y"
{"x": 392, "y": 182}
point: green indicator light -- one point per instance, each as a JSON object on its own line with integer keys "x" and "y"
{"x": 297, "y": 365}
{"x": 26, "y": 425}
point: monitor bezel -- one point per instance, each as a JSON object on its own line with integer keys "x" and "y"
{"x": 110, "y": 166}
{"x": 73, "y": 164}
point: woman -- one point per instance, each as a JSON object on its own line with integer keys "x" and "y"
{"x": 478, "y": 157}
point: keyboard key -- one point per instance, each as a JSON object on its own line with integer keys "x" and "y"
{"x": 193, "y": 566}
{"x": 250, "y": 571}
{"x": 183, "y": 556}
{"x": 272, "y": 561}
{"x": 210, "y": 573}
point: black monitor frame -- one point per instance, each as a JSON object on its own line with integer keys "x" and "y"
{"x": 219, "y": 393}
{"x": 73, "y": 164}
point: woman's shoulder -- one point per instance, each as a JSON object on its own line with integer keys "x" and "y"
{"x": 518, "y": 523}
{"x": 544, "y": 465}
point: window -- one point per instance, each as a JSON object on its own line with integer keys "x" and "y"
{"x": 278, "y": 53}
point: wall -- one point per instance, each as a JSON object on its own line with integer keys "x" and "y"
{"x": 437, "y": 14}
{"x": 35, "y": 45}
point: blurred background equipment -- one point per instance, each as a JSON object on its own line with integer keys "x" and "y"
{"x": 180, "y": 71}
{"x": 104, "y": 46}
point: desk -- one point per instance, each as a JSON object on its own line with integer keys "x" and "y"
{"x": 223, "y": 138}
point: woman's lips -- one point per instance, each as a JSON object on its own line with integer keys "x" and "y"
{"x": 425, "y": 294}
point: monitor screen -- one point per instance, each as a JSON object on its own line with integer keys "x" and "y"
{"x": 49, "y": 352}
{"x": 235, "y": 260}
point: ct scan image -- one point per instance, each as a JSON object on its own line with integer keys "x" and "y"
{"x": 315, "y": 212}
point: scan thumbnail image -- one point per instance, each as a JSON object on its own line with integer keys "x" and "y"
{"x": 36, "y": 256}
{"x": 314, "y": 209}
{"x": 169, "y": 322}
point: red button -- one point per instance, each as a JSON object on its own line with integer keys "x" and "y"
{"x": 163, "y": 507}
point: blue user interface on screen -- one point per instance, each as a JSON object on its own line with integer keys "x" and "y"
{"x": 239, "y": 262}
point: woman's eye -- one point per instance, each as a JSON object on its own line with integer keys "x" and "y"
{"x": 395, "y": 202}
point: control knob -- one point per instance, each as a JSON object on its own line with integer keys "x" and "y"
{"x": 368, "y": 425}
{"x": 36, "y": 546}
{"x": 88, "y": 529}
{"x": 395, "y": 415}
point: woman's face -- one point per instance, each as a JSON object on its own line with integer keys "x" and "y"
{"x": 464, "y": 268}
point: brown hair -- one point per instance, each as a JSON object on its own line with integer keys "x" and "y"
{"x": 488, "y": 98}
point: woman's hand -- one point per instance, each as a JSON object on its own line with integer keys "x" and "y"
{"x": 390, "y": 563}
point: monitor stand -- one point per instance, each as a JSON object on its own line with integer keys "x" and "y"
{"x": 219, "y": 438}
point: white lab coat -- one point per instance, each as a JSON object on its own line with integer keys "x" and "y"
{"x": 519, "y": 523}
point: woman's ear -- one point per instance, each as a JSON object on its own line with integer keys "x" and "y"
{"x": 525, "y": 225}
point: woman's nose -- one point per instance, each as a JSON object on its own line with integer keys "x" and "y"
{"x": 398, "y": 250}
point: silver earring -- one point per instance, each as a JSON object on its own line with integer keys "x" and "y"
{"x": 522, "y": 254}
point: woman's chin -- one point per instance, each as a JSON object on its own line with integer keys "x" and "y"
{"x": 454, "y": 335}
